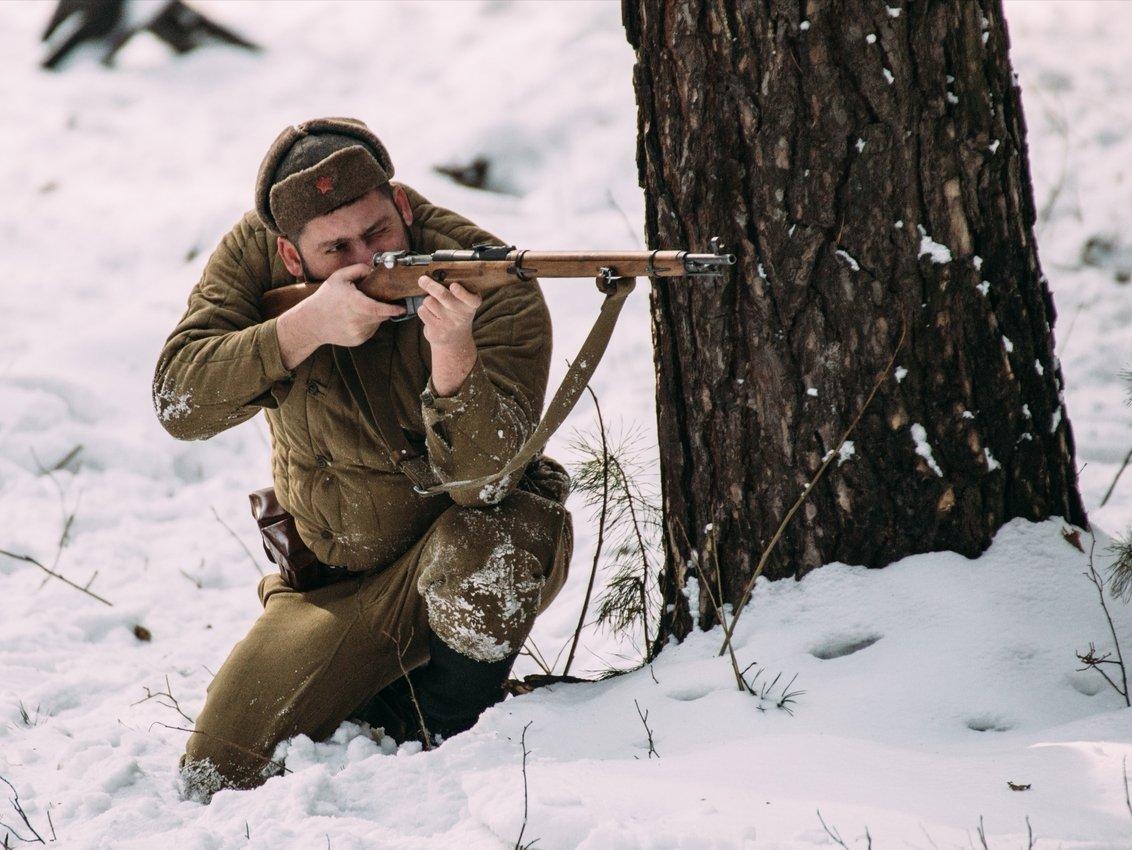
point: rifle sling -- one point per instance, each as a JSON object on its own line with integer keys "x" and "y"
{"x": 362, "y": 368}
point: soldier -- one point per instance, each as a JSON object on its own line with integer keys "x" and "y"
{"x": 446, "y": 586}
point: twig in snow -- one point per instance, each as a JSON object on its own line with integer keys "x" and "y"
{"x": 645, "y": 720}
{"x": 519, "y": 845}
{"x": 161, "y": 696}
{"x": 766, "y": 553}
{"x": 1029, "y": 834}
{"x": 717, "y": 607}
{"x": 600, "y": 531}
{"x": 15, "y": 801}
{"x": 531, "y": 650}
{"x": 1090, "y": 659}
{"x": 1127, "y": 799}
{"x": 195, "y": 581}
{"x": 67, "y": 516}
{"x": 426, "y": 737}
{"x": 832, "y": 833}
{"x": 236, "y": 537}
{"x": 982, "y": 834}
{"x": 51, "y": 573}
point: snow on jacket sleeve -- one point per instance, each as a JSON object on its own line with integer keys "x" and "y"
{"x": 222, "y": 363}
{"x": 475, "y": 432}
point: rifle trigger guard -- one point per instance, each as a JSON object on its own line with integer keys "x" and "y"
{"x": 651, "y": 265}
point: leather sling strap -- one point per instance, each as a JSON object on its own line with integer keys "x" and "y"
{"x": 366, "y": 371}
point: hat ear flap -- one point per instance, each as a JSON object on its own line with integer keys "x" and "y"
{"x": 266, "y": 177}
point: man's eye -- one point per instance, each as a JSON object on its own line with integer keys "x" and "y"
{"x": 333, "y": 249}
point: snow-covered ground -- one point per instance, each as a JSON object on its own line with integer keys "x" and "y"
{"x": 928, "y": 686}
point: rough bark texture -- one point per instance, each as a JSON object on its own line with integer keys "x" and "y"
{"x": 867, "y": 163}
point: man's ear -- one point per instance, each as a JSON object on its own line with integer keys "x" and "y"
{"x": 290, "y": 256}
{"x": 403, "y": 206}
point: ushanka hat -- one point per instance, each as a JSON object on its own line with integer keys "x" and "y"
{"x": 316, "y": 167}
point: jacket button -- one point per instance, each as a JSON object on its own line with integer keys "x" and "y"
{"x": 313, "y": 387}
{"x": 326, "y": 535}
{"x": 321, "y": 462}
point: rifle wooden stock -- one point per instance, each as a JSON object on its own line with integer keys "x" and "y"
{"x": 399, "y": 281}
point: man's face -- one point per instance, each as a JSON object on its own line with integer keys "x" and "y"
{"x": 354, "y": 233}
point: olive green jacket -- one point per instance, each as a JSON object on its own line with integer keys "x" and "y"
{"x": 222, "y": 364}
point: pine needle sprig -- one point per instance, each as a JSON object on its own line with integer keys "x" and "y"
{"x": 1120, "y": 574}
{"x": 614, "y": 477}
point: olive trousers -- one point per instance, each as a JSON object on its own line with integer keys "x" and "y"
{"x": 477, "y": 579}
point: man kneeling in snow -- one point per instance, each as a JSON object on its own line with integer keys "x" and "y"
{"x": 446, "y": 586}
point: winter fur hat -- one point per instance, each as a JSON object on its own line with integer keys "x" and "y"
{"x": 316, "y": 167}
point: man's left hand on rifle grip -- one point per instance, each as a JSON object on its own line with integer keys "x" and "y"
{"x": 447, "y": 312}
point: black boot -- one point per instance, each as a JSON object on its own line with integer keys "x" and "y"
{"x": 454, "y": 690}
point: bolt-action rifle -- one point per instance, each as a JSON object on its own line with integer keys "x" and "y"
{"x": 487, "y": 267}
{"x": 482, "y": 269}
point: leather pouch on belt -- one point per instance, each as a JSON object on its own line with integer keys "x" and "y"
{"x": 298, "y": 566}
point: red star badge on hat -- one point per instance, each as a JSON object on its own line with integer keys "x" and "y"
{"x": 324, "y": 184}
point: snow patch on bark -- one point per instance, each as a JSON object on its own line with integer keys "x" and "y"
{"x": 937, "y": 252}
{"x": 923, "y": 448}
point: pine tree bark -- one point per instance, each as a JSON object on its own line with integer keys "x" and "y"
{"x": 866, "y": 160}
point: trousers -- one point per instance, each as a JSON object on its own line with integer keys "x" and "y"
{"x": 477, "y": 579}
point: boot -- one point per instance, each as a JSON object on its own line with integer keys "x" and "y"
{"x": 454, "y": 690}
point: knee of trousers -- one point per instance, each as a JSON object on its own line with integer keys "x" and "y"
{"x": 485, "y": 573}
{"x": 209, "y": 765}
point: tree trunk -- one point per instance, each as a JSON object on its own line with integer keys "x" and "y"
{"x": 867, "y": 163}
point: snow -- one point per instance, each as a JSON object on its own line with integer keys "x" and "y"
{"x": 118, "y": 185}
{"x": 935, "y": 251}
{"x": 848, "y": 258}
{"x": 923, "y": 447}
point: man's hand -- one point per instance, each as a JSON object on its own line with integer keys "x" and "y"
{"x": 447, "y": 314}
{"x": 337, "y": 314}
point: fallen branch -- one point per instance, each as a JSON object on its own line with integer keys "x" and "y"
{"x": 30, "y": 560}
